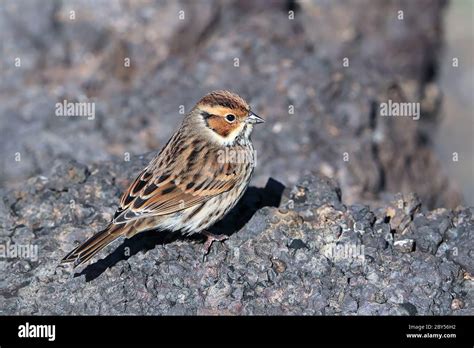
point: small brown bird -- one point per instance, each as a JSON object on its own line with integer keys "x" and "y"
{"x": 198, "y": 176}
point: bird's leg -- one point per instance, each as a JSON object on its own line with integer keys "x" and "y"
{"x": 211, "y": 238}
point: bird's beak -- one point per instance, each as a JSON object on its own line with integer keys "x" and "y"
{"x": 252, "y": 118}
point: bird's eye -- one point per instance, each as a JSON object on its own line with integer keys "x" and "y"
{"x": 230, "y": 118}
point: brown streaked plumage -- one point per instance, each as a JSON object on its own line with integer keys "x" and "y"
{"x": 193, "y": 182}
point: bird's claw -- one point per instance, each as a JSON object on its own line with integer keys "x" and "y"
{"x": 211, "y": 238}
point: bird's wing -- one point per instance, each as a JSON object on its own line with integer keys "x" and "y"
{"x": 165, "y": 187}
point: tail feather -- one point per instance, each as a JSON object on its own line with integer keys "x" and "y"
{"x": 93, "y": 245}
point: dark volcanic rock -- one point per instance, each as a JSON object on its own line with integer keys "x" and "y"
{"x": 341, "y": 261}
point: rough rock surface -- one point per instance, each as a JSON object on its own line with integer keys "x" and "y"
{"x": 321, "y": 115}
{"x": 291, "y": 251}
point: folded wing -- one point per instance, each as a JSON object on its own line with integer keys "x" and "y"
{"x": 165, "y": 189}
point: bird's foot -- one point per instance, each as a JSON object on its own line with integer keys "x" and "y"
{"x": 211, "y": 238}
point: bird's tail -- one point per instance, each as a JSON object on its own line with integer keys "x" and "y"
{"x": 94, "y": 244}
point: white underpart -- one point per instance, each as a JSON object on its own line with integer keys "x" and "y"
{"x": 248, "y": 131}
{"x": 219, "y": 205}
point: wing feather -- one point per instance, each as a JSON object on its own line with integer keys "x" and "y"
{"x": 164, "y": 188}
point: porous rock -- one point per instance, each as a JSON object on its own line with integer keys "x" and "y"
{"x": 275, "y": 261}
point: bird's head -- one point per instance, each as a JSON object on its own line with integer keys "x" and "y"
{"x": 225, "y": 117}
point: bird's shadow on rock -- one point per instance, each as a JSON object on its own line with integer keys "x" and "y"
{"x": 254, "y": 199}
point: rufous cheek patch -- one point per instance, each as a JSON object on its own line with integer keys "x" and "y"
{"x": 221, "y": 126}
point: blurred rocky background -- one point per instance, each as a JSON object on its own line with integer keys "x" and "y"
{"x": 332, "y": 172}
{"x": 143, "y": 62}
{"x": 456, "y": 126}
